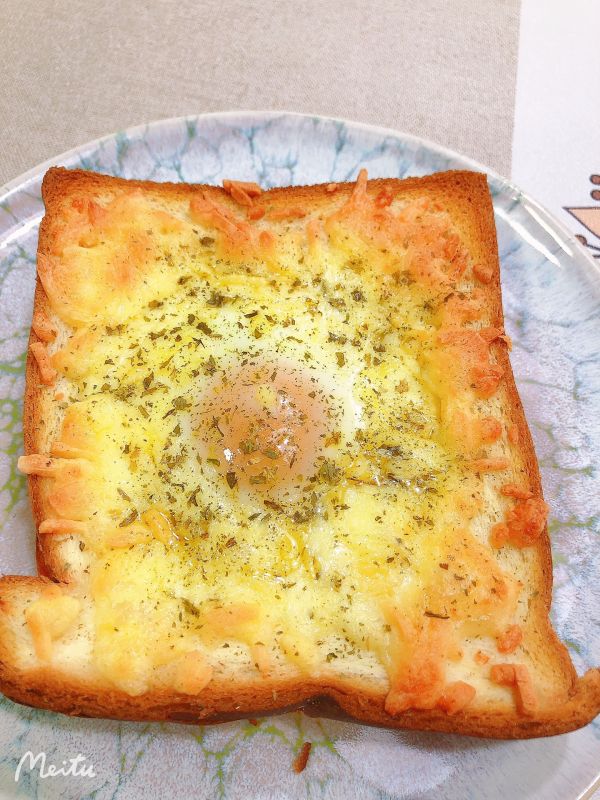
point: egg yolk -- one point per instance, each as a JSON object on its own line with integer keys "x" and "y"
{"x": 265, "y": 424}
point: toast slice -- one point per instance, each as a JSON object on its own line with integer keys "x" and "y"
{"x": 276, "y": 453}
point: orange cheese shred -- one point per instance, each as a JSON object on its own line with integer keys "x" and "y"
{"x": 37, "y": 464}
{"x": 481, "y": 658}
{"x": 526, "y": 521}
{"x": 420, "y": 688}
{"x": 527, "y": 701}
{"x": 49, "y": 618}
{"x": 357, "y": 202}
{"x": 240, "y": 238}
{"x": 490, "y": 429}
{"x": 419, "y": 678}
{"x": 524, "y": 524}
{"x": 458, "y": 308}
{"x": 129, "y": 536}
{"x": 486, "y": 380}
{"x": 359, "y": 192}
{"x": 464, "y": 361}
{"x": 242, "y": 192}
{"x": 468, "y": 432}
{"x": 456, "y": 696}
{"x": 251, "y": 188}
{"x": 62, "y": 450}
{"x": 42, "y": 327}
{"x": 490, "y": 334}
{"x": 208, "y": 212}
{"x": 512, "y": 434}
{"x": 384, "y": 199}
{"x": 434, "y": 254}
{"x": 42, "y": 641}
{"x": 72, "y": 490}
{"x": 503, "y": 674}
{"x": 483, "y": 273}
{"x": 240, "y": 196}
{"x": 301, "y": 759}
{"x": 294, "y": 212}
{"x": 510, "y": 639}
{"x": 95, "y": 213}
{"x": 496, "y": 334}
{"x": 62, "y": 526}
{"x": 256, "y": 212}
{"x": 230, "y": 618}
{"x": 47, "y": 372}
{"x": 499, "y": 535}
{"x": 517, "y": 675}
{"x": 512, "y": 490}
{"x": 193, "y": 674}
{"x": 266, "y": 240}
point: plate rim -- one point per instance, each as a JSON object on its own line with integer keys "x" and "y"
{"x": 559, "y": 231}
{"x": 566, "y": 240}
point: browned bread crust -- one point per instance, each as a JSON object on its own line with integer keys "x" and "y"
{"x": 90, "y": 695}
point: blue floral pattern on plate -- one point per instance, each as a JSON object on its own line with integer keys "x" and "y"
{"x": 552, "y": 304}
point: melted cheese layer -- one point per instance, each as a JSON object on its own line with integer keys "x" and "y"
{"x": 266, "y": 468}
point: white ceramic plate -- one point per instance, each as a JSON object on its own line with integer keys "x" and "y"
{"x": 552, "y": 303}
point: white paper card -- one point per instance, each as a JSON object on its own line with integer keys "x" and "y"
{"x": 556, "y": 142}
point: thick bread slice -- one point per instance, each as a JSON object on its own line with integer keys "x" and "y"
{"x": 402, "y": 573}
